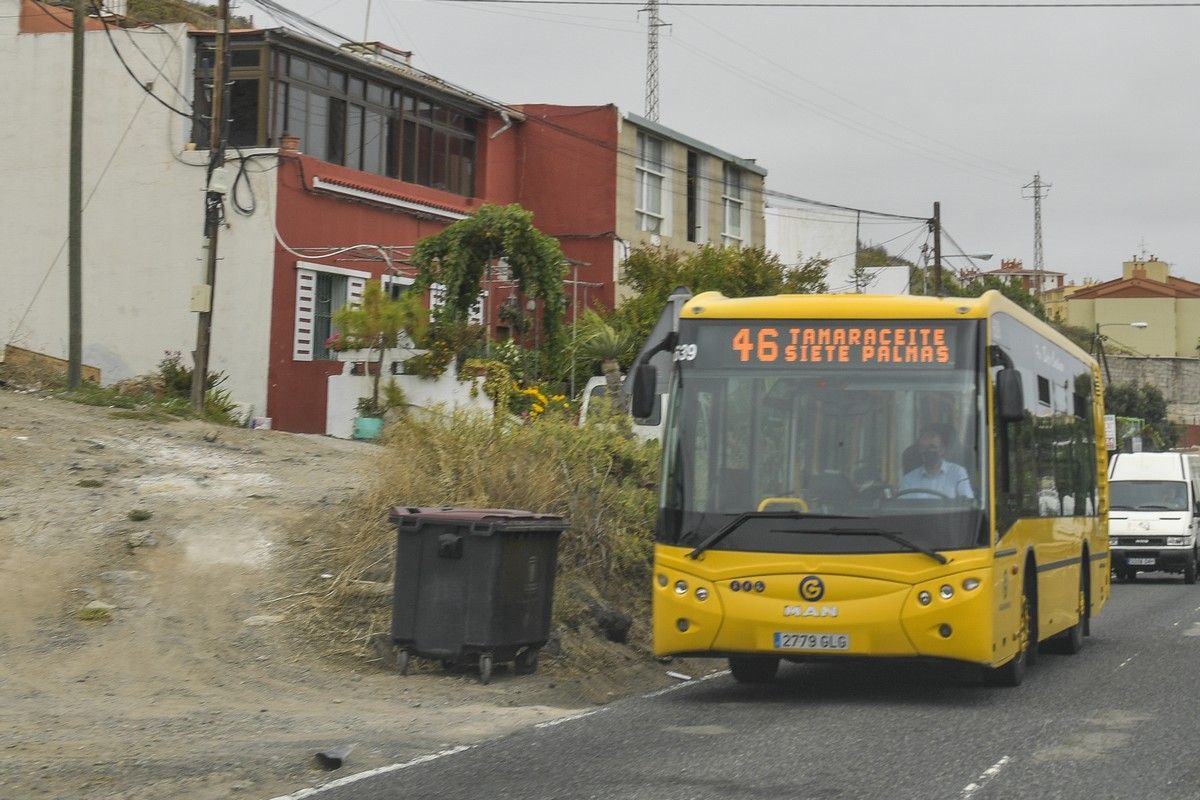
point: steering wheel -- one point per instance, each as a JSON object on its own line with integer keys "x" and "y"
{"x": 767, "y": 502}
{"x": 933, "y": 492}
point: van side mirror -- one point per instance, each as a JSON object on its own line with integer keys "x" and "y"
{"x": 1010, "y": 397}
{"x": 644, "y": 394}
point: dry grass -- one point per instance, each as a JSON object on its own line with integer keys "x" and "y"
{"x": 598, "y": 477}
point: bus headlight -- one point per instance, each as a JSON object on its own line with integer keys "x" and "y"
{"x": 1113, "y": 541}
{"x": 701, "y": 593}
{"x": 680, "y": 587}
{"x": 946, "y": 592}
{"x": 1176, "y": 541}
{"x": 924, "y": 598}
{"x": 971, "y": 584}
{"x": 662, "y": 579}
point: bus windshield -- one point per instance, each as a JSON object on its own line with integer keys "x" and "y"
{"x": 887, "y": 450}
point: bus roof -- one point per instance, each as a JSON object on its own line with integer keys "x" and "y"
{"x": 714, "y": 305}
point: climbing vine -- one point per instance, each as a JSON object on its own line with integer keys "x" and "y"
{"x": 456, "y": 258}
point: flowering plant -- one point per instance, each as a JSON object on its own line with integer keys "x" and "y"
{"x": 340, "y": 342}
{"x": 531, "y": 401}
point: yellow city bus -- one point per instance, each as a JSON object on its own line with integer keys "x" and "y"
{"x": 873, "y": 476}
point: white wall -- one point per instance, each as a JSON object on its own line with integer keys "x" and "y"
{"x": 798, "y": 234}
{"x": 143, "y": 214}
{"x": 446, "y": 390}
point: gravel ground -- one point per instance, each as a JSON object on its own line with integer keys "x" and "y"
{"x": 146, "y": 647}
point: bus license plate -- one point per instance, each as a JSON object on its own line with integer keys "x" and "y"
{"x": 1140, "y": 562}
{"x": 812, "y": 641}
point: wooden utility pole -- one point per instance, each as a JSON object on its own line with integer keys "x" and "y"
{"x": 212, "y": 207}
{"x": 75, "y": 205}
{"x": 935, "y": 225}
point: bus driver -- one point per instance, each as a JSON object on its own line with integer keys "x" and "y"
{"x": 934, "y": 473}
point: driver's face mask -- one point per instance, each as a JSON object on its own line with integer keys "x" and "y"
{"x": 931, "y": 456}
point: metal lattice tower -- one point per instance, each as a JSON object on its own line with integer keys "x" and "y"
{"x": 1039, "y": 190}
{"x": 655, "y": 22}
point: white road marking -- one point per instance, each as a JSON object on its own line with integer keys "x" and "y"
{"x": 1126, "y": 661}
{"x": 551, "y": 723}
{"x": 372, "y": 772}
{"x": 678, "y": 686}
{"x": 989, "y": 773}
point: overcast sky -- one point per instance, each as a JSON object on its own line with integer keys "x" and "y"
{"x": 883, "y": 109}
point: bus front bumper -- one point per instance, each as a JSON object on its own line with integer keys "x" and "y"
{"x": 853, "y": 616}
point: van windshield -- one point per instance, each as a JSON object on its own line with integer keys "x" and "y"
{"x": 1149, "y": 495}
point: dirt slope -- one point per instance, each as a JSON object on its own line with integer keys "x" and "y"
{"x": 196, "y": 683}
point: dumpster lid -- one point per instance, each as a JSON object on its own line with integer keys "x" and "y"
{"x": 456, "y": 514}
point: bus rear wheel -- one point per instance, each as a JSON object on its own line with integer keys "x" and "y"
{"x": 754, "y": 669}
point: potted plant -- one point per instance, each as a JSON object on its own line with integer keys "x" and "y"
{"x": 375, "y": 325}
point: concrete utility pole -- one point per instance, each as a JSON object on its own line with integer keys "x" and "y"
{"x": 212, "y": 207}
{"x": 75, "y": 205}
{"x": 1038, "y": 191}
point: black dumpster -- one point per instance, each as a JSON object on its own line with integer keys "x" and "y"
{"x": 473, "y": 585}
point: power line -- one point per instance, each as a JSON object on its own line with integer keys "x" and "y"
{"x": 756, "y": 52}
{"x": 752, "y": 4}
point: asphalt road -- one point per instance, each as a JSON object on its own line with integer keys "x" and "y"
{"x": 1118, "y": 720}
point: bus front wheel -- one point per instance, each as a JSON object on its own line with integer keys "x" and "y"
{"x": 1013, "y": 672}
{"x": 754, "y": 669}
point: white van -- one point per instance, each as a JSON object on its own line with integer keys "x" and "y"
{"x": 1154, "y": 513}
{"x": 648, "y": 429}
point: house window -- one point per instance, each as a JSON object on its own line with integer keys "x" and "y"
{"x": 320, "y": 291}
{"x": 331, "y": 296}
{"x": 244, "y": 102}
{"x": 732, "y": 206}
{"x": 695, "y": 197}
{"x": 374, "y": 128}
{"x": 648, "y": 173}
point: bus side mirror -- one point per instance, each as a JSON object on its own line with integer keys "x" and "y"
{"x": 1010, "y": 398}
{"x": 644, "y": 394}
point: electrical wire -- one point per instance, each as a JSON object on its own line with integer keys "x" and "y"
{"x": 752, "y": 4}
{"x": 138, "y": 81}
{"x": 882, "y": 136}
{"x": 894, "y": 123}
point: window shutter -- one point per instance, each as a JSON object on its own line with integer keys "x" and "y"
{"x": 354, "y": 291}
{"x": 306, "y": 305}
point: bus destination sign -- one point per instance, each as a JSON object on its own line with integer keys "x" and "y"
{"x": 923, "y": 343}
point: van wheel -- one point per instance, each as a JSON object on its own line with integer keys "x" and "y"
{"x": 1013, "y": 672}
{"x": 754, "y": 669}
{"x": 1189, "y": 570}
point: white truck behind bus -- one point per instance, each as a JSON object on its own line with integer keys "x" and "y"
{"x": 649, "y": 429}
{"x": 1154, "y": 513}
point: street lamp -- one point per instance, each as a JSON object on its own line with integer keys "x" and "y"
{"x": 1098, "y": 341}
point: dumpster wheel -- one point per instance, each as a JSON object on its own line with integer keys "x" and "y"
{"x": 527, "y": 661}
{"x": 485, "y": 668}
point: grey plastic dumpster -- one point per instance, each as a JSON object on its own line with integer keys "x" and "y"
{"x": 473, "y": 585}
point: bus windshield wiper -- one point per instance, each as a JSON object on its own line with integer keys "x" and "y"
{"x": 893, "y": 536}
{"x": 737, "y": 522}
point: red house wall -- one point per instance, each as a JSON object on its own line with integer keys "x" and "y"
{"x": 560, "y": 163}
{"x": 296, "y": 394}
{"x": 568, "y": 179}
